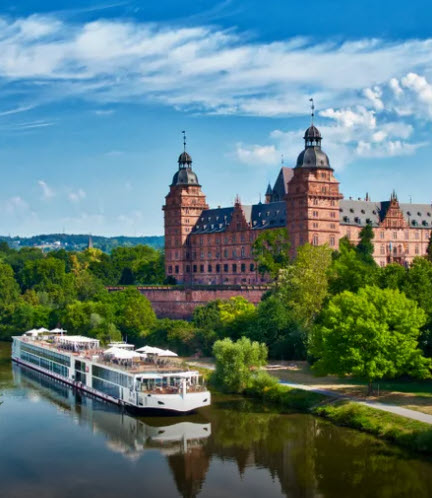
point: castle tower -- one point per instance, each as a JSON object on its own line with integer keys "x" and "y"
{"x": 183, "y": 206}
{"x": 313, "y": 196}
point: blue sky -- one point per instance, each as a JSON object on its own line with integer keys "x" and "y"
{"x": 93, "y": 98}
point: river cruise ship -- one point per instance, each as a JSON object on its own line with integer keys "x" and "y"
{"x": 146, "y": 380}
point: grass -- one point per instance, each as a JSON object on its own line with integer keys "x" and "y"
{"x": 412, "y": 394}
{"x": 410, "y": 434}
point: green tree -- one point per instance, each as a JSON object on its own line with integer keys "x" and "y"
{"x": 236, "y": 363}
{"x": 134, "y": 315}
{"x": 276, "y": 326}
{"x": 429, "y": 250}
{"x": 271, "y": 251}
{"x": 349, "y": 271}
{"x": 303, "y": 286}
{"x": 371, "y": 334}
{"x": 9, "y": 289}
{"x": 365, "y": 247}
{"x": 393, "y": 276}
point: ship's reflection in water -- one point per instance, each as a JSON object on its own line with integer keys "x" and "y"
{"x": 233, "y": 448}
{"x": 179, "y": 439}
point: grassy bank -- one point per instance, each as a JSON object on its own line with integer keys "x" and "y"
{"x": 409, "y": 434}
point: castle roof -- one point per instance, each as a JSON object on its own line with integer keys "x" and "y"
{"x": 273, "y": 215}
{"x": 359, "y": 213}
{"x": 259, "y": 216}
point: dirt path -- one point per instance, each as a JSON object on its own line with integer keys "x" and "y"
{"x": 397, "y": 410}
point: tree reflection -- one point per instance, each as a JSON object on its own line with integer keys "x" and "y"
{"x": 305, "y": 456}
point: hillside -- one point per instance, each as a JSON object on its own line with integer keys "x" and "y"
{"x": 78, "y": 242}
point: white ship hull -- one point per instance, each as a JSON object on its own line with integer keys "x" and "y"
{"x": 180, "y": 402}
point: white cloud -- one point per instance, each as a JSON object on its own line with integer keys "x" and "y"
{"x": 47, "y": 192}
{"x": 15, "y": 205}
{"x": 202, "y": 68}
{"x": 349, "y": 118}
{"x": 77, "y": 196}
{"x": 257, "y": 154}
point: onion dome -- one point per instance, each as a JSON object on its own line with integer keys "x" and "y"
{"x": 313, "y": 156}
{"x": 185, "y": 175}
{"x": 184, "y": 159}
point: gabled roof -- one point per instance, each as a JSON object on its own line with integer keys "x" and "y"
{"x": 280, "y": 188}
{"x": 258, "y": 216}
{"x": 359, "y": 213}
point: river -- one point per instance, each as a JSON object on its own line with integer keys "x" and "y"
{"x": 55, "y": 442}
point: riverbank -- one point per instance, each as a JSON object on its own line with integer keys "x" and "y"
{"x": 404, "y": 432}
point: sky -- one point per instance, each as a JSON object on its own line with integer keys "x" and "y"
{"x": 94, "y": 97}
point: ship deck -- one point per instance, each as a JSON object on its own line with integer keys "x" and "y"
{"x": 157, "y": 366}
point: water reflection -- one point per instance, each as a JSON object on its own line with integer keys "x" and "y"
{"x": 233, "y": 448}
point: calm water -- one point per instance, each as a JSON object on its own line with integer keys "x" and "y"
{"x": 57, "y": 443}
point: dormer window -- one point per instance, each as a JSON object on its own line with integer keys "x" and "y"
{"x": 409, "y": 213}
{"x": 363, "y": 211}
{"x": 351, "y": 210}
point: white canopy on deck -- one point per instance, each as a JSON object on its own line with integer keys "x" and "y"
{"x": 121, "y": 354}
{"x": 156, "y": 351}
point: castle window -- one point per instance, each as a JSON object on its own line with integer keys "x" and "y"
{"x": 226, "y": 268}
{"x": 243, "y": 252}
{"x": 234, "y": 253}
{"x": 424, "y": 223}
{"x": 381, "y": 235}
{"x": 169, "y": 269}
{"x": 225, "y": 253}
{"x": 176, "y": 269}
{"x": 315, "y": 201}
{"x": 234, "y": 268}
{"x": 212, "y": 226}
{"x": 209, "y": 268}
{"x": 252, "y": 267}
{"x": 209, "y": 254}
{"x": 351, "y": 210}
{"x": 332, "y": 241}
{"x": 201, "y": 241}
{"x": 187, "y": 269}
{"x": 332, "y": 226}
{"x": 417, "y": 249}
{"x": 363, "y": 211}
{"x": 315, "y": 214}
{"x": 332, "y": 214}
{"x": 417, "y": 235}
{"x": 382, "y": 249}
{"x": 395, "y": 235}
{"x": 217, "y": 268}
{"x": 202, "y": 268}
{"x": 332, "y": 203}
{"x": 194, "y": 268}
{"x": 315, "y": 240}
{"x": 324, "y": 190}
{"x": 243, "y": 268}
{"x": 202, "y": 255}
{"x": 357, "y": 220}
{"x": 315, "y": 225}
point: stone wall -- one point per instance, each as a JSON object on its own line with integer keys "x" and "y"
{"x": 179, "y": 302}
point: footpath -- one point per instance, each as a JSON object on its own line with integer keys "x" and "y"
{"x": 397, "y": 410}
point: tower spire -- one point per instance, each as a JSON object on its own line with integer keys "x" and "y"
{"x": 184, "y": 140}
{"x": 311, "y": 100}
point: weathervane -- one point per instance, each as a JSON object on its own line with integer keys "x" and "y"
{"x": 312, "y": 108}
{"x": 184, "y": 140}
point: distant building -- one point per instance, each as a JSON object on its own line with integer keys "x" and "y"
{"x": 214, "y": 246}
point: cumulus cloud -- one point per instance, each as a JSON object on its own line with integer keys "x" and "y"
{"x": 47, "y": 191}
{"x": 256, "y": 154}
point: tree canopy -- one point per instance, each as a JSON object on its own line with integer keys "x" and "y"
{"x": 371, "y": 334}
{"x": 271, "y": 251}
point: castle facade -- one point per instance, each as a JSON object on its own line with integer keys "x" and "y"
{"x": 214, "y": 246}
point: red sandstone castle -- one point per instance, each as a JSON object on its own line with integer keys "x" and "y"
{"x": 214, "y": 246}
